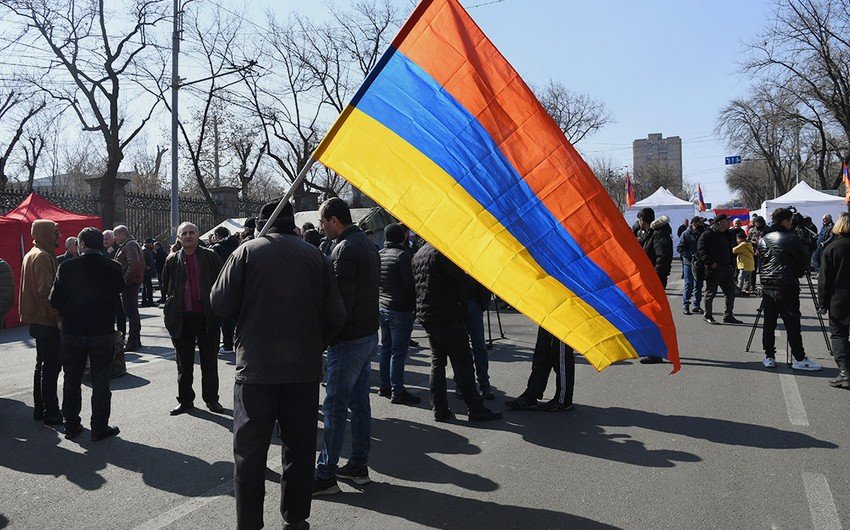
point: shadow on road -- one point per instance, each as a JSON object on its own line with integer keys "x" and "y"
{"x": 33, "y": 448}
{"x": 757, "y": 366}
{"x": 440, "y": 510}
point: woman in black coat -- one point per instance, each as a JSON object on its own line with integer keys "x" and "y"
{"x": 834, "y": 295}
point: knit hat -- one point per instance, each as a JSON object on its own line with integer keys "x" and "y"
{"x": 394, "y": 233}
{"x": 646, "y": 215}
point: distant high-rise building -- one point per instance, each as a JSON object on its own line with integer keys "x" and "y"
{"x": 658, "y": 158}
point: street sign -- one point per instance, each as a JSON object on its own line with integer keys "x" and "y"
{"x": 733, "y": 160}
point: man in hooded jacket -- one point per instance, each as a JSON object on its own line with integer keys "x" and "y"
{"x": 37, "y": 275}
{"x": 656, "y": 239}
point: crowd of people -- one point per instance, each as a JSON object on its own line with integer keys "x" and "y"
{"x": 281, "y": 303}
{"x": 715, "y": 252}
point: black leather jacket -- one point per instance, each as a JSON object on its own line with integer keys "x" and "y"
{"x": 440, "y": 287}
{"x": 357, "y": 270}
{"x": 783, "y": 259}
{"x": 397, "y": 290}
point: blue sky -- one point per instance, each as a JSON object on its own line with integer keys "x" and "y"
{"x": 659, "y": 65}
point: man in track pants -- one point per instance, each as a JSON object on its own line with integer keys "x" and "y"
{"x": 550, "y": 354}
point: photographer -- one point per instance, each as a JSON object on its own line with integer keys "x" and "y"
{"x": 783, "y": 260}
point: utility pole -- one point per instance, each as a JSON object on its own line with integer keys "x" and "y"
{"x": 175, "y": 87}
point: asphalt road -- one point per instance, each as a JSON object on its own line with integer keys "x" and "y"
{"x": 725, "y": 443}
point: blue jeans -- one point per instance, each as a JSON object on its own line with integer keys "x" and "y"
{"x": 691, "y": 286}
{"x": 349, "y": 367}
{"x": 475, "y": 328}
{"x": 396, "y": 327}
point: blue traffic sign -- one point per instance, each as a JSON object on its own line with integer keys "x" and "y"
{"x": 733, "y": 160}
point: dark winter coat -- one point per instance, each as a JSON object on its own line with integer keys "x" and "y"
{"x": 476, "y": 291}
{"x": 159, "y": 255}
{"x": 174, "y": 278}
{"x": 687, "y": 246}
{"x": 715, "y": 248}
{"x": 86, "y": 294}
{"x": 7, "y": 289}
{"x": 834, "y": 280}
{"x": 440, "y": 287}
{"x": 226, "y": 247}
{"x": 357, "y": 268}
{"x": 150, "y": 262}
{"x": 284, "y": 297}
{"x": 783, "y": 259}
{"x": 657, "y": 242}
{"x": 397, "y": 289}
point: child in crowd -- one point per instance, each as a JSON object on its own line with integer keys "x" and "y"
{"x": 746, "y": 264}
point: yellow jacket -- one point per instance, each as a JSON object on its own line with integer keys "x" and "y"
{"x": 746, "y": 256}
{"x": 37, "y": 275}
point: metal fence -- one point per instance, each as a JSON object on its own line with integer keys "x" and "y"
{"x": 146, "y": 215}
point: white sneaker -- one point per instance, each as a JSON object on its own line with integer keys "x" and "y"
{"x": 806, "y": 364}
{"x": 769, "y": 362}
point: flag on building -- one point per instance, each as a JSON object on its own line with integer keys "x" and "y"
{"x": 447, "y": 136}
{"x": 700, "y": 198}
{"x": 630, "y": 191}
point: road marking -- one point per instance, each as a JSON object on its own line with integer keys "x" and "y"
{"x": 821, "y": 502}
{"x": 793, "y": 401}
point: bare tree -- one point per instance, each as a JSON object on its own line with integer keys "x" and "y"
{"x": 80, "y": 34}
{"x": 577, "y": 115}
{"x": 245, "y": 144}
{"x": 32, "y": 152}
{"x": 656, "y": 174}
{"x": 147, "y": 170}
{"x": 808, "y": 42}
{"x": 612, "y": 177}
{"x": 8, "y": 103}
{"x": 752, "y": 182}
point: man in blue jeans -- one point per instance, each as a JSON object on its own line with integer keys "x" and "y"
{"x": 397, "y": 311}
{"x": 357, "y": 269}
{"x": 690, "y": 266}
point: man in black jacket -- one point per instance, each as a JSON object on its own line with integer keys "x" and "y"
{"x": 85, "y": 293}
{"x": 188, "y": 277}
{"x": 357, "y": 269}
{"x": 284, "y": 297}
{"x": 224, "y": 245}
{"x": 783, "y": 260}
{"x": 654, "y": 235}
{"x": 150, "y": 269}
{"x": 656, "y": 240}
{"x": 7, "y": 290}
{"x": 441, "y": 309}
{"x": 159, "y": 254}
{"x": 397, "y": 302}
{"x": 714, "y": 250}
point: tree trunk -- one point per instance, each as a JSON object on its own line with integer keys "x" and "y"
{"x": 107, "y": 187}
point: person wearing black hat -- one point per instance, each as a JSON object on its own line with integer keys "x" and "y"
{"x": 248, "y": 229}
{"x": 150, "y": 268}
{"x": 397, "y": 301}
{"x": 714, "y": 250}
{"x": 656, "y": 239}
{"x": 287, "y": 308}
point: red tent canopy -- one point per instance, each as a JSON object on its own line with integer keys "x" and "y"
{"x": 16, "y": 239}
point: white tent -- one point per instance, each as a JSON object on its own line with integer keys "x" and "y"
{"x": 808, "y": 201}
{"x": 664, "y": 203}
{"x": 235, "y": 226}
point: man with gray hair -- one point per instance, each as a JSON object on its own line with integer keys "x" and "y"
{"x": 132, "y": 261}
{"x": 71, "y": 250}
{"x": 109, "y": 246}
{"x": 187, "y": 280}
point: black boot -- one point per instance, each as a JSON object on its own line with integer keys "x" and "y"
{"x": 843, "y": 379}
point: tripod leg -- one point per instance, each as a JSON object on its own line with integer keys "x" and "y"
{"x": 489, "y": 330}
{"x": 820, "y": 317}
{"x": 755, "y": 325}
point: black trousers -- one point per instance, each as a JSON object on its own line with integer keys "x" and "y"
{"x": 838, "y": 337}
{"x": 256, "y": 407}
{"x": 783, "y": 303}
{"x": 147, "y": 290}
{"x": 130, "y": 304}
{"x": 196, "y": 331}
{"x": 550, "y": 354}
{"x": 48, "y": 364}
{"x": 228, "y": 327}
{"x": 724, "y": 278}
{"x": 100, "y": 351}
{"x": 450, "y": 342}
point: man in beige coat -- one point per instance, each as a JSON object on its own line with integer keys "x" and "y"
{"x": 37, "y": 275}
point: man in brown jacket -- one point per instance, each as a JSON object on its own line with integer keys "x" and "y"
{"x": 132, "y": 261}
{"x": 187, "y": 279}
{"x": 37, "y": 275}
